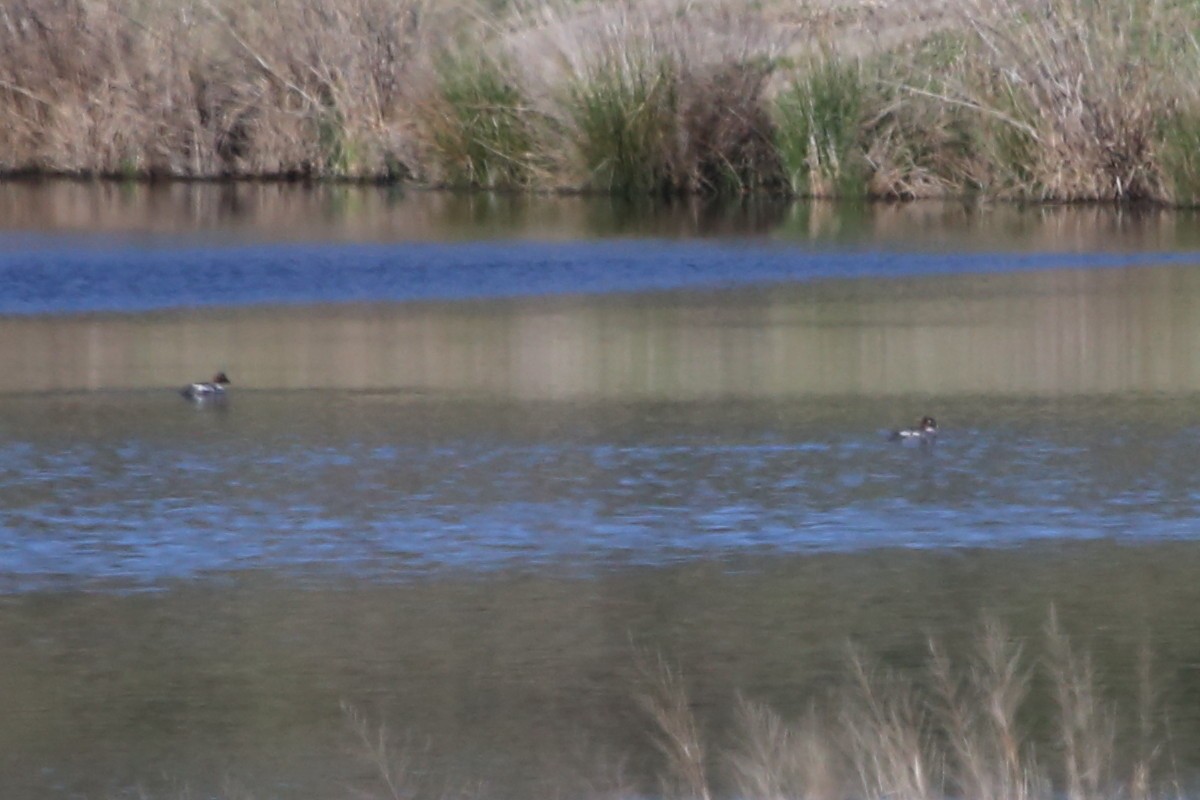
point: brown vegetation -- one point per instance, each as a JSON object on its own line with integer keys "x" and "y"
{"x": 1060, "y": 100}
{"x": 208, "y": 89}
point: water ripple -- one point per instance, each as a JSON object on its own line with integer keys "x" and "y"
{"x": 139, "y": 509}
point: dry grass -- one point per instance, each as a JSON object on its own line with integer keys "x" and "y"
{"x": 1053, "y": 100}
{"x": 676, "y": 732}
{"x": 205, "y": 88}
{"x": 999, "y": 723}
{"x": 1083, "y": 87}
{"x": 1048, "y": 100}
{"x": 985, "y": 746}
{"x": 957, "y": 729}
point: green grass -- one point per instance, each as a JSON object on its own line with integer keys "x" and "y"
{"x": 820, "y": 122}
{"x": 627, "y": 116}
{"x": 1180, "y": 153}
{"x": 483, "y": 136}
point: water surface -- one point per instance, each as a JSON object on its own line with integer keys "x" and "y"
{"x": 480, "y": 454}
{"x": 135, "y": 490}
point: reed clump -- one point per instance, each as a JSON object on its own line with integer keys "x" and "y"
{"x": 480, "y": 127}
{"x": 957, "y": 729}
{"x": 1047, "y": 100}
{"x": 821, "y": 127}
{"x": 651, "y": 98}
{"x": 1072, "y": 94}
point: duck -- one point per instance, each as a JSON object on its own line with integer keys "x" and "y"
{"x": 924, "y": 434}
{"x": 212, "y": 390}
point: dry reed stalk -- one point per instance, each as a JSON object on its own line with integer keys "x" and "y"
{"x": 392, "y": 766}
{"x": 887, "y": 729}
{"x": 1056, "y": 100}
{"x": 955, "y": 731}
{"x": 778, "y": 761}
{"x": 326, "y": 87}
{"x": 112, "y": 91}
{"x": 978, "y": 711}
{"x": 677, "y": 734}
{"x": 1086, "y": 726}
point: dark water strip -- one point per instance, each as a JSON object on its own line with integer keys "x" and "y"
{"x": 54, "y": 279}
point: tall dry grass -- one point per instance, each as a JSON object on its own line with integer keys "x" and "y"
{"x": 974, "y": 728}
{"x": 1072, "y": 95}
{"x": 676, "y": 732}
{"x": 1051, "y": 100}
{"x": 207, "y": 88}
{"x": 1047, "y": 100}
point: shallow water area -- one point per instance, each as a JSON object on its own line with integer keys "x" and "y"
{"x": 477, "y": 458}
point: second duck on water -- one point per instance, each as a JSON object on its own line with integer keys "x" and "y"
{"x": 924, "y": 434}
{"x": 213, "y": 390}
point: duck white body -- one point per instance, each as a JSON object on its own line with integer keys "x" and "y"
{"x": 924, "y": 434}
{"x": 212, "y": 390}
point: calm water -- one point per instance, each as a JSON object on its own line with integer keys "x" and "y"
{"x": 477, "y": 458}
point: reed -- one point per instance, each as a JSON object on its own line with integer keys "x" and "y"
{"x": 1071, "y": 95}
{"x": 1180, "y": 151}
{"x": 87, "y": 89}
{"x": 627, "y": 118}
{"x": 821, "y": 124}
{"x": 480, "y": 128}
{"x": 1049, "y": 100}
{"x": 961, "y": 728}
{"x": 677, "y": 733}
{"x": 209, "y": 88}
{"x": 393, "y": 765}
{"x": 659, "y": 97}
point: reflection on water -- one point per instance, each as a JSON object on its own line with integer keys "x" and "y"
{"x": 277, "y": 212}
{"x": 1046, "y": 333}
{"x": 179, "y": 212}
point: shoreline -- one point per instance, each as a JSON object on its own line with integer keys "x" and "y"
{"x": 977, "y": 199}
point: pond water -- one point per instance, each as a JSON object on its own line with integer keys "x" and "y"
{"x": 480, "y": 454}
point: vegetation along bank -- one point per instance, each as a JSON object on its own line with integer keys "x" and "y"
{"x": 1045, "y": 100}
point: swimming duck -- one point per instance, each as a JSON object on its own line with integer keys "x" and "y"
{"x": 213, "y": 390}
{"x": 924, "y": 434}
